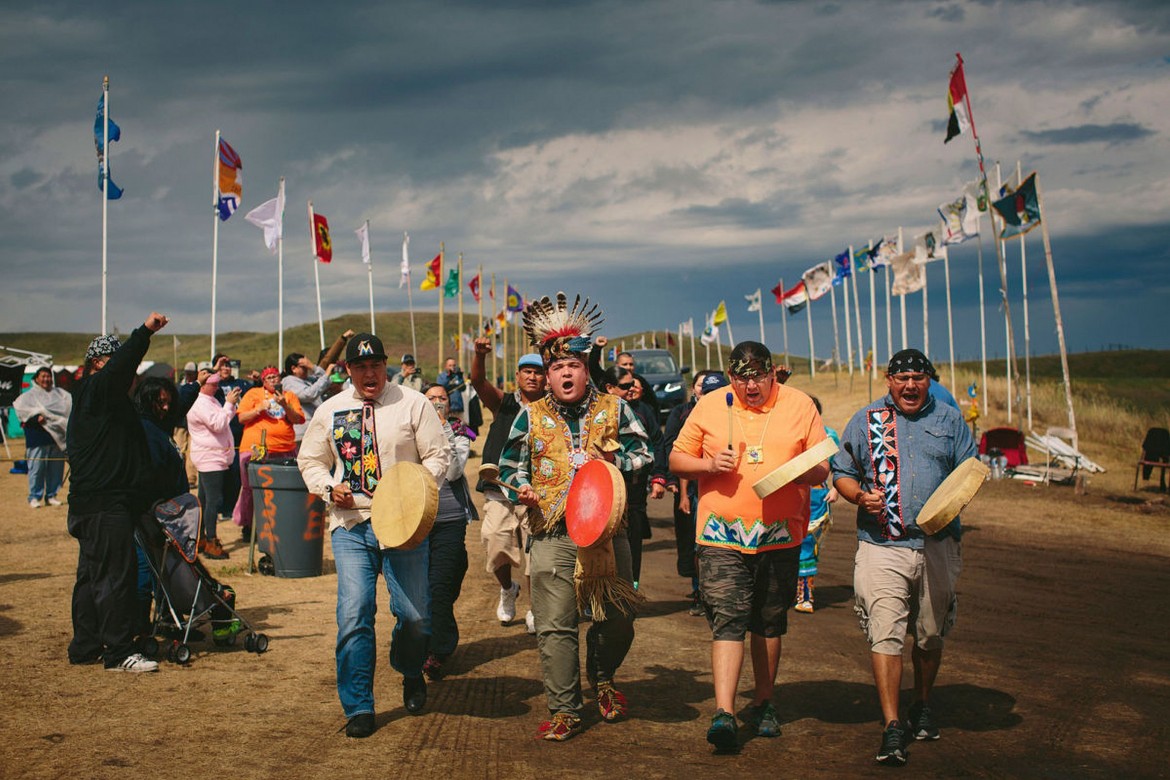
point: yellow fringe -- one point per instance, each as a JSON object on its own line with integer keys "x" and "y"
{"x": 596, "y": 581}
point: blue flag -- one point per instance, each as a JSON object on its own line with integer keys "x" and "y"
{"x": 99, "y": 144}
{"x": 842, "y": 268}
{"x": 1020, "y": 210}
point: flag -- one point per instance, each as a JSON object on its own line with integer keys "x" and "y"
{"x": 961, "y": 216}
{"x": 842, "y": 268}
{"x": 231, "y": 189}
{"x": 670, "y": 342}
{"x": 99, "y": 141}
{"x": 1020, "y": 210}
{"x": 908, "y": 275}
{"x": 753, "y": 301}
{"x": 515, "y": 302}
{"x": 861, "y": 258}
{"x": 794, "y": 300}
{"x": 363, "y": 234}
{"x": 404, "y": 268}
{"x": 709, "y": 334}
{"x": 502, "y": 318}
{"x": 818, "y": 280}
{"x": 928, "y": 247}
{"x": 434, "y": 274}
{"x": 451, "y": 288}
{"x": 488, "y": 328}
{"x": 688, "y": 328}
{"x": 611, "y": 355}
{"x": 884, "y": 252}
{"x": 269, "y": 217}
{"x": 321, "y": 242}
{"x": 719, "y": 316}
{"x": 958, "y": 120}
{"x": 473, "y": 285}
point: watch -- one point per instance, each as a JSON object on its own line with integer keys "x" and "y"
{"x": 329, "y": 494}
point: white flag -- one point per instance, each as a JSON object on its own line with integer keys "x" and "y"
{"x": 363, "y": 234}
{"x": 908, "y": 275}
{"x": 818, "y": 280}
{"x": 709, "y": 334}
{"x": 404, "y": 280}
{"x": 688, "y": 327}
{"x": 753, "y": 301}
{"x": 961, "y": 216}
{"x": 929, "y": 247}
{"x": 269, "y": 216}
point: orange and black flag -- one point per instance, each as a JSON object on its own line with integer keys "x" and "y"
{"x": 323, "y": 245}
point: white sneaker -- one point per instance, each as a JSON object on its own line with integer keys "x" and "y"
{"x": 506, "y": 610}
{"x": 135, "y": 662}
{"x": 35, "y": 503}
{"x": 530, "y": 622}
{"x": 53, "y": 501}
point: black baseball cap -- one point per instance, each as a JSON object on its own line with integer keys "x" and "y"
{"x": 364, "y": 346}
{"x": 407, "y": 358}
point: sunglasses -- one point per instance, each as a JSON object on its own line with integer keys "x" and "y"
{"x": 625, "y": 385}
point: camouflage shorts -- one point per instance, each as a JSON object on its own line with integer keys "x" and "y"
{"x": 744, "y": 592}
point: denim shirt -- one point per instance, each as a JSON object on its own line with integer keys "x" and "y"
{"x": 931, "y": 444}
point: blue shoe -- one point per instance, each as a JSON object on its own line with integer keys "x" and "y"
{"x": 723, "y": 732}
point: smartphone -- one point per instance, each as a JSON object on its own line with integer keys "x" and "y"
{"x": 235, "y": 366}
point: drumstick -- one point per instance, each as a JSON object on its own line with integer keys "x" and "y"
{"x": 504, "y": 485}
{"x": 730, "y": 418}
{"x": 848, "y": 447}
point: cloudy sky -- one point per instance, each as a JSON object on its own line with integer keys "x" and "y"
{"x": 656, "y": 156}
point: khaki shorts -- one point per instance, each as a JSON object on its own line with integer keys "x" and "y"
{"x": 504, "y": 533}
{"x": 900, "y": 590}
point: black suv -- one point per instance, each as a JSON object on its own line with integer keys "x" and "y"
{"x": 664, "y": 375}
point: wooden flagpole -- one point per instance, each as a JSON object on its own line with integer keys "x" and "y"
{"x": 442, "y": 295}
{"x": 495, "y": 331}
{"x": 1072, "y": 420}
{"x": 459, "y": 346}
{"x": 316, "y": 271}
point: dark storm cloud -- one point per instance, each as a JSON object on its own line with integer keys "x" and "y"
{"x": 1112, "y": 134}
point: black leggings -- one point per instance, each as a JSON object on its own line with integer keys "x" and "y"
{"x": 211, "y": 484}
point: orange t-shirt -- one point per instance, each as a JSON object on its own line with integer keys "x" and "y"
{"x": 281, "y": 436}
{"x": 730, "y": 514}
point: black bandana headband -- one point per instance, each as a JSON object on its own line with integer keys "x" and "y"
{"x": 750, "y": 367}
{"x": 910, "y": 360}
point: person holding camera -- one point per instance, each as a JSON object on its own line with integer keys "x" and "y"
{"x": 273, "y": 411}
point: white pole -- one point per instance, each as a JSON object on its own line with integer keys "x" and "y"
{"x": 982, "y": 322}
{"x": 812, "y": 360}
{"x": 1027, "y": 330}
{"x": 410, "y": 300}
{"x": 280, "y": 280}
{"x": 691, "y": 320}
{"x": 950, "y": 319}
{"x": 707, "y": 347}
{"x": 214, "y": 232}
{"x": 925, "y": 321}
{"x": 1000, "y": 256}
{"x": 730, "y": 338}
{"x": 106, "y": 194}
{"x": 784, "y": 323}
{"x": 848, "y": 321}
{"x": 856, "y": 311}
{"x": 889, "y": 317}
{"x": 370, "y": 274}
{"x": 902, "y": 299}
{"x": 873, "y": 318}
{"x": 316, "y": 272}
{"x": 760, "y": 309}
{"x": 1072, "y": 420}
{"x": 836, "y": 339}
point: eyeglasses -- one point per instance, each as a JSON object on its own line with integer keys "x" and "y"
{"x": 745, "y": 380}
{"x": 904, "y": 379}
{"x": 624, "y": 385}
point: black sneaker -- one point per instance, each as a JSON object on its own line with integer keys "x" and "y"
{"x": 414, "y": 694}
{"x": 696, "y": 608}
{"x": 893, "y": 751}
{"x": 922, "y": 722}
{"x": 722, "y": 733}
{"x": 360, "y": 726}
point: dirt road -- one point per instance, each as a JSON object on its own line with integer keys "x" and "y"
{"x": 1059, "y": 667}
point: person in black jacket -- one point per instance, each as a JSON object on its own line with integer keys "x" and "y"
{"x": 110, "y": 472}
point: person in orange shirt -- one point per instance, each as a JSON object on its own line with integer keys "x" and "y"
{"x": 274, "y": 411}
{"x": 748, "y": 547}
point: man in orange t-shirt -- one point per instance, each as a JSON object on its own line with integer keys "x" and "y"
{"x": 271, "y": 409}
{"x": 748, "y": 548}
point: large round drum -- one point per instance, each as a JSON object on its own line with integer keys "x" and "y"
{"x": 789, "y": 471}
{"x": 949, "y": 498}
{"x": 595, "y": 504}
{"x": 404, "y": 506}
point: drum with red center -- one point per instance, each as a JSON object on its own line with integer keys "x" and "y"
{"x": 595, "y": 504}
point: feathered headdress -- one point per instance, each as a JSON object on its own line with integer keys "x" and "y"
{"x": 556, "y": 331}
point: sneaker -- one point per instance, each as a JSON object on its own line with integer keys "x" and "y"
{"x": 696, "y": 608}
{"x": 135, "y": 662}
{"x": 893, "y": 751}
{"x": 723, "y": 732}
{"x": 212, "y": 548}
{"x": 610, "y": 702}
{"x": 558, "y": 728}
{"x": 922, "y": 722}
{"x": 530, "y": 622}
{"x": 433, "y": 667}
{"x": 360, "y": 726}
{"x": 804, "y": 606}
{"x": 763, "y": 718}
{"x": 414, "y": 694}
{"x": 506, "y": 609}
{"x": 226, "y": 633}
{"x": 54, "y": 501}
{"x": 35, "y": 503}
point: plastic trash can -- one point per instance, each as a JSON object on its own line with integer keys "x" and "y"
{"x": 289, "y": 521}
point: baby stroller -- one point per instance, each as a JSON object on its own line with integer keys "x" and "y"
{"x": 185, "y": 592}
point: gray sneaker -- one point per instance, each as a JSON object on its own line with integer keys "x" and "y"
{"x": 135, "y": 662}
{"x": 922, "y": 722}
{"x": 893, "y": 751}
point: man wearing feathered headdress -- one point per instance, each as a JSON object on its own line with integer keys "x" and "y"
{"x": 549, "y": 441}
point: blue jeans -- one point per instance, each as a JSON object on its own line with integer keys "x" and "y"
{"x": 46, "y": 469}
{"x": 359, "y": 562}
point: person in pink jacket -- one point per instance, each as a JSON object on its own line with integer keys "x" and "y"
{"x": 208, "y": 425}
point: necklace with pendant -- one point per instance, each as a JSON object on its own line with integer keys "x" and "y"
{"x": 754, "y": 454}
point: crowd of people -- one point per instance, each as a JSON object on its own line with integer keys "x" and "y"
{"x": 747, "y": 560}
